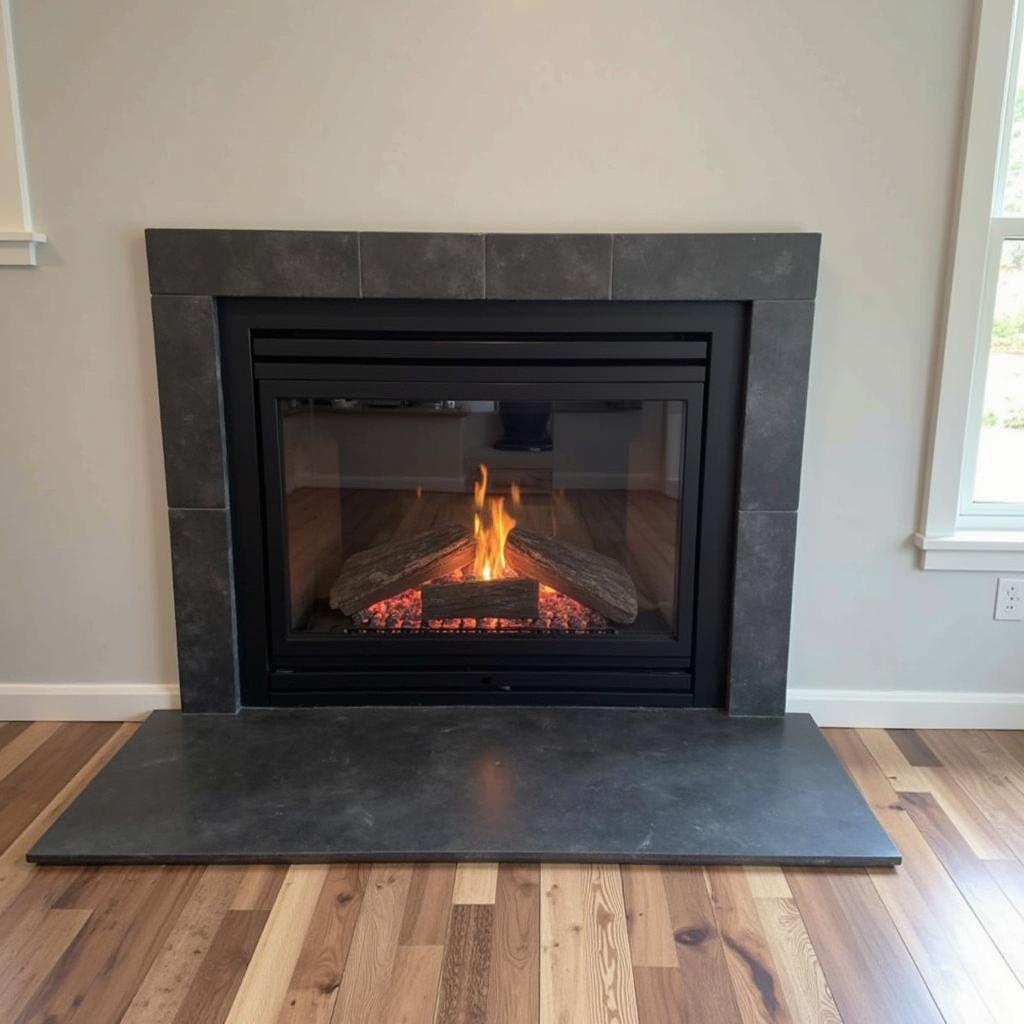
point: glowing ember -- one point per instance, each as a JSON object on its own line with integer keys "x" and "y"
{"x": 403, "y": 613}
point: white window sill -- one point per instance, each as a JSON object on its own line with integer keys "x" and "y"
{"x": 18, "y": 248}
{"x": 973, "y": 550}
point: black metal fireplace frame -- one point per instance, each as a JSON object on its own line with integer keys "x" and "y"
{"x": 693, "y": 352}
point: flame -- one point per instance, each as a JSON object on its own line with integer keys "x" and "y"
{"x": 491, "y": 527}
{"x": 517, "y": 494}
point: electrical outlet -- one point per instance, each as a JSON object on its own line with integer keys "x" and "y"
{"x": 1010, "y": 599}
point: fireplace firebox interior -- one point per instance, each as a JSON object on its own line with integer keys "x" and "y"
{"x": 529, "y": 487}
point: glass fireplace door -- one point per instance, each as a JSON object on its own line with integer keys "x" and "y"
{"x": 528, "y": 518}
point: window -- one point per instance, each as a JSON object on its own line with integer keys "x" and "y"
{"x": 975, "y": 507}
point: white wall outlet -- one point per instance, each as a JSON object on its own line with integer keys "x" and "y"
{"x": 1010, "y": 599}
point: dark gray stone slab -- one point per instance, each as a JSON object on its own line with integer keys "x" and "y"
{"x": 191, "y": 412}
{"x": 549, "y": 266}
{"x": 773, "y": 425}
{"x": 442, "y": 783}
{"x": 414, "y": 265}
{"x": 762, "y": 602}
{"x": 715, "y": 267}
{"x": 204, "y": 609}
{"x": 277, "y": 264}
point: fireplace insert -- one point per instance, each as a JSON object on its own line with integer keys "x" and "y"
{"x": 482, "y": 501}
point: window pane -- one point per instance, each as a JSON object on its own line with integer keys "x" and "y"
{"x": 1013, "y": 194}
{"x": 999, "y": 476}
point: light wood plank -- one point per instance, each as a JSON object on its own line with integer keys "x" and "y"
{"x": 800, "y": 975}
{"x": 767, "y": 883}
{"x": 660, "y": 995}
{"x": 869, "y": 971}
{"x": 25, "y": 742}
{"x": 313, "y": 988}
{"x": 650, "y": 929}
{"x": 428, "y": 905}
{"x": 412, "y": 998}
{"x": 891, "y": 760}
{"x": 755, "y": 979}
{"x": 708, "y": 991}
{"x": 513, "y": 992}
{"x": 585, "y": 973}
{"x": 265, "y": 983}
{"x": 475, "y": 883}
{"x": 363, "y": 994}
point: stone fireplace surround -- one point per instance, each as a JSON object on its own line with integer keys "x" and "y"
{"x": 776, "y": 274}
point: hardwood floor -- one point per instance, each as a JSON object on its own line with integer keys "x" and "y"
{"x": 939, "y": 939}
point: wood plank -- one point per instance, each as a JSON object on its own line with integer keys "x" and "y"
{"x": 700, "y": 953}
{"x": 965, "y": 973}
{"x": 1000, "y": 918}
{"x": 475, "y": 882}
{"x": 510, "y": 598}
{"x": 29, "y": 953}
{"x": 767, "y": 883}
{"x": 914, "y": 748}
{"x": 165, "y": 986}
{"x": 1011, "y": 740}
{"x": 660, "y": 993}
{"x": 988, "y": 786}
{"x": 313, "y": 988}
{"x": 132, "y": 912}
{"x": 30, "y": 786}
{"x": 585, "y": 969}
{"x": 513, "y": 993}
{"x": 594, "y": 579}
{"x": 466, "y": 971}
{"x": 259, "y": 887}
{"x": 647, "y": 918}
{"x": 970, "y": 821}
{"x": 870, "y": 973}
{"x": 413, "y": 996}
{"x": 215, "y": 986}
{"x": 21, "y": 739}
{"x": 428, "y": 905}
{"x": 390, "y": 568}
{"x": 800, "y": 975}
{"x": 890, "y": 759}
{"x": 363, "y": 993}
{"x": 755, "y": 978}
{"x": 265, "y": 982}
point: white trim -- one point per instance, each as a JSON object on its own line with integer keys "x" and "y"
{"x": 18, "y": 248}
{"x": 910, "y": 709}
{"x": 17, "y": 239}
{"x": 84, "y": 702}
{"x": 997, "y": 26}
{"x": 973, "y": 550}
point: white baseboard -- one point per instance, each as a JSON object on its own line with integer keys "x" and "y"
{"x": 84, "y": 702}
{"x": 910, "y": 709}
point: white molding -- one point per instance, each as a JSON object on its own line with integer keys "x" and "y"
{"x": 972, "y": 551}
{"x": 84, "y": 702}
{"x": 910, "y": 709}
{"x": 17, "y": 239}
{"x": 986, "y": 115}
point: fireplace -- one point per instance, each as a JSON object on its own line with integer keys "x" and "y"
{"x": 501, "y": 469}
{"x": 483, "y": 501}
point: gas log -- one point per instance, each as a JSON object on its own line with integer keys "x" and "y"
{"x": 388, "y": 569}
{"x": 482, "y": 599}
{"x": 591, "y": 578}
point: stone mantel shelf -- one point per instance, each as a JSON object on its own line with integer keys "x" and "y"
{"x": 774, "y": 275}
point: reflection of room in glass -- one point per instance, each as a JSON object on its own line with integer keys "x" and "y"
{"x": 558, "y": 518}
{"x": 999, "y": 470}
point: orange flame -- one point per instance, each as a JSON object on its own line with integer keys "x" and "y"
{"x": 491, "y": 527}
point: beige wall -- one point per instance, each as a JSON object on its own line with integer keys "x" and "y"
{"x": 497, "y": 115}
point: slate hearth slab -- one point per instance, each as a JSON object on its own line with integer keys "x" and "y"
{"x": 442, "y": 783}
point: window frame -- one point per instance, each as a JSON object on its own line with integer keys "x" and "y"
{"x": 957, "y": 532}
